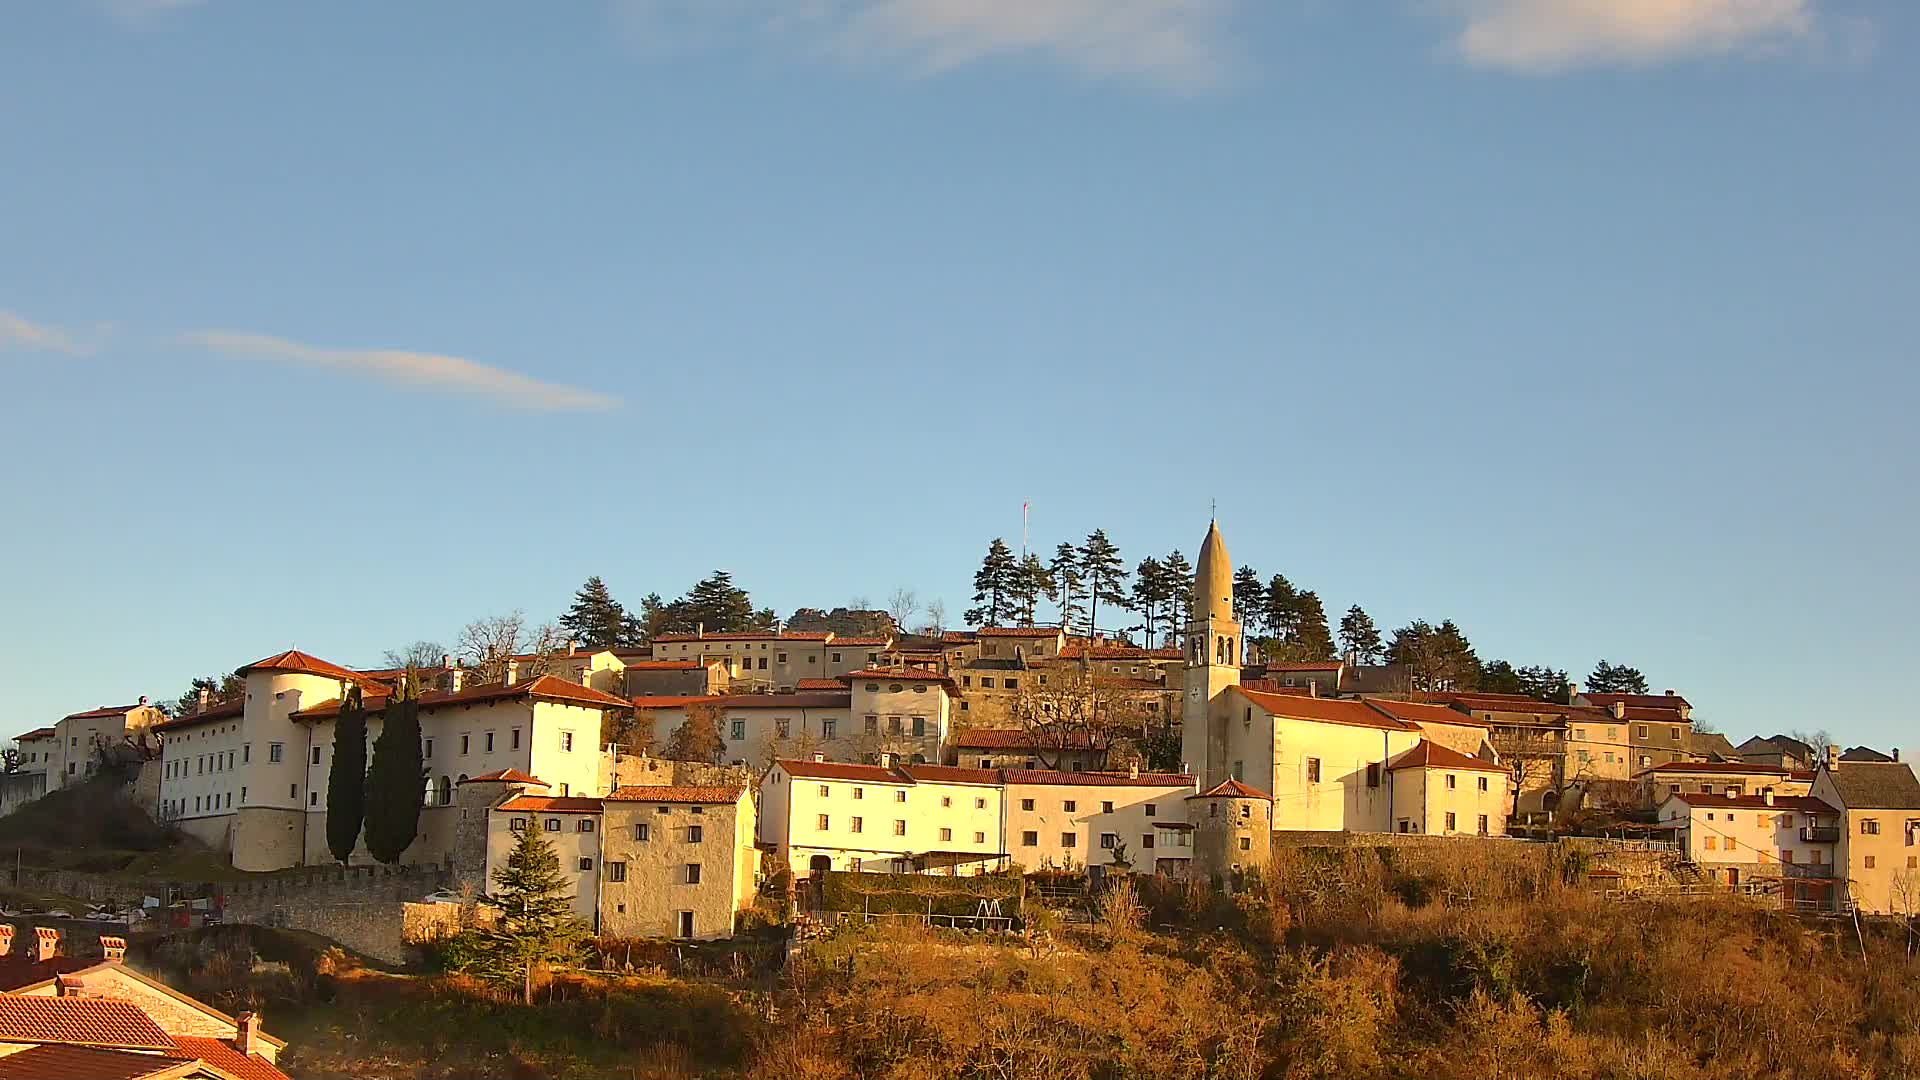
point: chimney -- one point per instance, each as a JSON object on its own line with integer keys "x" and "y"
{"x": 1833, "y": 757}
{"x": 573, "y": 646}
{"x": 1671, "y": 692}
{"x": 1133, "y": 771}
{"x": 699, "y": 630}
{"x": 513, "y": 672}
{"x": 1766, "y": 796}
{"x": 69, "y": 986}
{"x": 203, "y": 696}
{"x": 446, "y": 660}
{"x": 6, "y": 939}
{"x": 246, "y": 1036}
{"x": 1573, "y": 691}
{"x": 46, "y": 943}
{"x": 456, "y": 678}
{"x": 143, "y": 701}
{"x": 1619, "y": 710}
{"x": 818, "y": 756}
{"x": 1896, "y": 753}
{"x": 113, "y": 948}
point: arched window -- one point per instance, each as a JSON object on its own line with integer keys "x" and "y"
{"x": 445, "y": 791}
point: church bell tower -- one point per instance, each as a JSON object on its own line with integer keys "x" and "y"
{"x": 1213, "y": 661}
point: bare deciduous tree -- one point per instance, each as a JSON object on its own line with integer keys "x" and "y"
{"x": 420, "y": 654}
{"x": 1077, "y": 710}
{"x": 489, "y": 644}
{"x": 546, "y": 642}
{"x": 901, "y": 605}
{"x": 936, "y": 618}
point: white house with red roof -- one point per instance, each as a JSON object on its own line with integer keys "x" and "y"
{"x": 1739, "y": 839}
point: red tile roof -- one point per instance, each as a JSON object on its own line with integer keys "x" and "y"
{"x": 1414, "y": 712}
{"x": 1720, "y": 767}
{"x": 507, "y": 776}
{"x": 1502, "y": 703}
{"x": 669, "y": 665}
{"x": 1018, "y": 631}
{"x": 546, "y": 688}
{"x": 56, "y": 1062}
{"x": 1326, "y": 710}
{"x": 1431, "y": 755}
{"x": 749, "y": 635}
{"x": 1014, "y": 739}
{"x": 224, "y": 1056}
{"x": 1806, "y": 804}
{"x": 819, "y": 684}
{"x": 1306, "y": 665}
{"x": 672, "y": 701}
{"x": 103, "y": 711}
{"x": 896, "y": 675}
{"x": 838, "y": 770}
{"x": 79, "y": 1021}
{"x": 957, "y": 637}
{"x": 677, "y": 793}
{"x": 1095, "y": 779}
{"x": 232, "y": 710}
{"x": 557, "y": 804}
{"x": 871, "y": 642}
{"x": 36, "y": 733}
{"x": 837, "y": 700}
{"x": 949, "y": 774}
{"x": 1232, "y": 789}
{"x": 1269, "y": 686}
{"x": 1667, "y": 702}
{"x": 1077, "y": 651}
{"x": 296, "y": 661}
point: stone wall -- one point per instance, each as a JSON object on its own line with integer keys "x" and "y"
{"x": 361, "y": 907}
{"x": 638, "y": 771}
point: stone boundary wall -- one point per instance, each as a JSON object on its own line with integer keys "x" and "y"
{"x": 332, "y": 885}
{"x": 1306, "y": 839}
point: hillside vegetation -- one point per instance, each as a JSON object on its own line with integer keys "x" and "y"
{"x": 1464, "y": 963}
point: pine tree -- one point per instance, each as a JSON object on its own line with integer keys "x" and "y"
{"x": 1435, "y": 657}
{"x": 1180, "y": 587}
{"x": 597, "y": 621}
{"x": 1250, "y": 601}
{"x": 993, "y": 587}
{"x": 397, "y": 777}
{"x": 1545, "y": 684}
{"x": 347, "y": 779}
{"x": 1105, "y": 575}
{"x": 1499, "y": 677}
{"x": 1283, "y": 610}
{"x": 1064, "y": 575}
{"x": 536, "y": 924}
{"x": 1031, "y": 581}
{"x": 1312, "y": 640}
{"x": 1359, "y": 636}
{"x": 1150, "y": 595}
{"x": 719, "y": 606}
{"x": 1616, "y": 679}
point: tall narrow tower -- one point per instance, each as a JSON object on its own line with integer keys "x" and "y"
{"x": 1213, "y": 661}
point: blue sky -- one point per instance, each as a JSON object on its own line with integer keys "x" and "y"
{"x": 1588, "y": 326}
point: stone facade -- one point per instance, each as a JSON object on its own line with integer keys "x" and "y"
{"x": 1232, "y": 831}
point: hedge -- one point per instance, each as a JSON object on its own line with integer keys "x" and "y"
{"x": 919, "y": 894}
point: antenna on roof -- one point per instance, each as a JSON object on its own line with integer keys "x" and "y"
{"x": 1026, "y": 509}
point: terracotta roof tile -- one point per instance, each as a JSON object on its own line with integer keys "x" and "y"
{"x": 1738, "y": 767}
{"x": 839, "y": 770}
{"x": 949, "y": 774}
{"x": 1232, "y": 789}
{"x": 677, "y": 793}
{"x": 1414, "y": 712}
{"x": 805, "y": 685}
{"x": 232, "y": 710}
{"x": 1307, "y": 665}
{"x": 1018, "y": 631}
{"x": 79, "y": 1022}
{"x": 36, "y": 733}
{"x": 897, "y": 675}
{"x": 864, "y": 642}
{"x": 1014, "y": 739}
{"x": 957, "y": 637}
{"x": 1669, "y": 702}
{"x": 1095, "y": 779}
{"x": 838, "y": 699}
{"x": 1326, "y": 710}
{"x": 507, "y": 776}
{"x": 103, "y": 711}
{"x": 669, "y": 665}
{"x": 1803, "y": 803}
{"x": 56, "y": 1062}
{"x": 547, "y": 687}
{"x": 1077, "y": 651}
{"x": 1431, "y": 755}
{"x": 558, "y": 804}
{"x": 304, "y": 663}
{"x": 747, "y": 635}
{"x": 224, "y": 1056}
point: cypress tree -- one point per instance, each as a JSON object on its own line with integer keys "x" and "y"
{"x": 347, "y": 781}
{"x": 397, "y": 777}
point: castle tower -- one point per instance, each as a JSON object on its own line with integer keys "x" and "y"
{"x": 1213, "y": 660}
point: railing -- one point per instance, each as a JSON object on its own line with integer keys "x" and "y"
{"x": 1819, "y": 834}
{"x": 1806, "y": 870}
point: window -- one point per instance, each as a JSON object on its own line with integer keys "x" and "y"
{"x": 586, "y": 863}
{"x": 1106, "y": 807}
{"x": 466, "y": 743}
{"x": 899, "y": 796}
{"x": 313, "y": 798}
{"x": 276, "y": 751}
{"x": 1013, "y": 683}
{"x": 643, "y": 832}
{"x": 695, "y": 834}
{"x": 981, "y": 838}
{"x": 663, "y": 809}
{"x": 1483, "y": 824}
{"x": 1068, "y": 840}
{"x": 616, "y": 871}
{"x": 986, "y": 683}
{"x": 739, "y": 730}
{"x": 1146, "y": 841}
{"x": 919, "y": 725}
{"x": 489, "y": 742}
{"x": 780, "y": 658}
{"x": 316, "y": 755}
{"x": 693, "y": 874}
{"x": 981, "y": 804}
{"x": 566, "y": 741}
{"x": 426, "y": 748}
{"x": 1867, "y": 861}
{"x": 1710, "y": 845}
{"x": 1069, "y": 805}
{"x": 899, "y": 827}
{"x": 859, "y": 793}
{"x": 585, "y": 825}
{"x": 825, "y": 790}
{"x": 1483, "y": 783}
{"x": 1674, "y": 733}
{"x": 1452, "y": 783}
{"x": 858, "y": 824}
{"x": 293, "y": 791}
{"x": 1246, "y": 843}
{"x": 1450, "y": 819}
{"x": 1313, "y": 770}
{"x": 893, "y": 725}
{"x": 514, "y": 739}
{"x": 1373, "y": 775}
{"x": 1869, "y": 827}
{"x": 821, "y": 822}
{"x": 827, "y": 728}
{"x": 763, "y": 663}
{"x": 1643, "y": 732}
{"x": 1108, "y": 841}
{"x": 553, "y": 824}
{"x": 873, "y": 725}
{"x": 946, "y": 834}
{"x": 782, "y": 726}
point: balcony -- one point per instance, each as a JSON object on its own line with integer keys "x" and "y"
{"x": 1819, "y": 834}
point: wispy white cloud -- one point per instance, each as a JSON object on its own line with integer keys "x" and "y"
{"x": 17, "y": 332}
{"x": 1552, "y": 35}
{"x": 1177, "y": 43}
{"x": 429, "y": 371}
